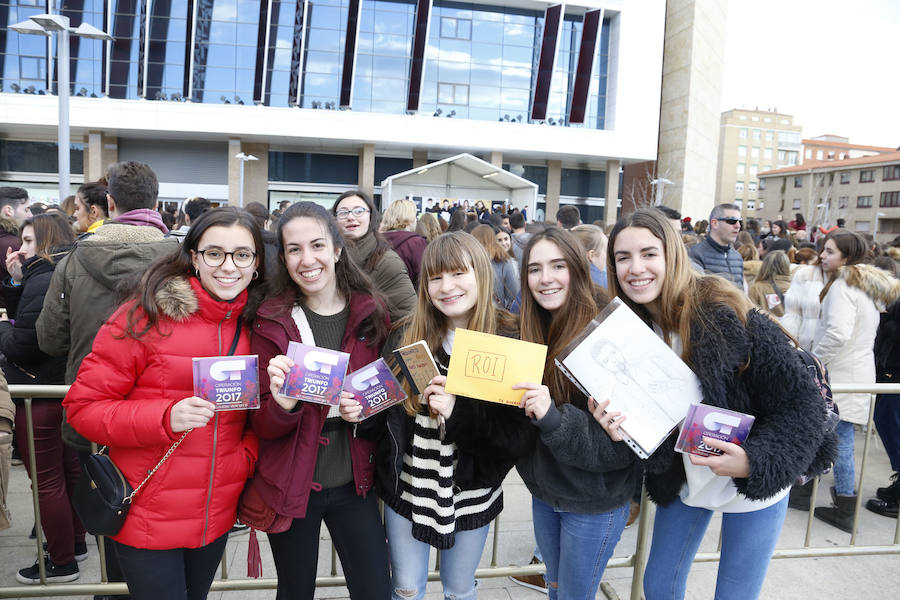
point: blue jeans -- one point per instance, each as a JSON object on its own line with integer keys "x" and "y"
{"x": 409, "y": 561}
{"x": 887, "y": 422}
{"x": 576, "y": 548}
{"x": 844, "y": 474}
{"x": 748, "y": 540}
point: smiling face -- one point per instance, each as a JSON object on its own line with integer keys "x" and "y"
{"x": 454, "y": 294}
{"x": 503, "y": 239}
{"x": 832, "y": 258}
{"x": 640, "y": 266}
{"x": 226, "y": 281}
{"x": 548, "y": 275}
{"x": 354, "y": 226}
{"x": 310, "y": 256}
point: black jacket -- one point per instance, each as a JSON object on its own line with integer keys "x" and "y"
{"x": 489, "y": 438}
{"x": 887, "y": 345}
{"x": 25, "y": 362}
{"x": 754, "y": 370}
{"x": 716, "y": 259}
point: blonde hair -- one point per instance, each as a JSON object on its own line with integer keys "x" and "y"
{"x": 590, "y": 236}
{"x": 428, "y": 226}
{"x": 450, "y": 252}
{"x": 399, "y": 215}
{"x": 488, "y": 238}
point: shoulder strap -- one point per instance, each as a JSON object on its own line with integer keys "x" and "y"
{"x": 778, "y": 291}
{"x": 237, "y": 335}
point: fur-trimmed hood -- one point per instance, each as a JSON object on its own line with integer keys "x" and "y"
{"x": 9, "y": 226}
{"x": 879, "y": 285}
{"x": 182, "y": 298}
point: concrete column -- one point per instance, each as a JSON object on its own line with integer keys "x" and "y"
{"x": 690, "y": 108}
{"x": 366, "y": 178}
{"x": 612, "y": 192}
{"x": 99, "y": 152}
{"x": 554, "y": 176}
{"x": 256, "y": 173}
{"x": 496, "y": 159}
{"x": 420, "y": 158}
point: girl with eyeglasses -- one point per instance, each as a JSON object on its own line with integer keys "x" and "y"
{"x": 312, "y": 465}
{"x": 745, "y": 362}
{"x": 134, "y": 393}
{"x": 359, "y": 221}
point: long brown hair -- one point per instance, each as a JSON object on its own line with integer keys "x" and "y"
{"x": 556, "y": 330}
{"x": 381, "y": 244}
{"x": 348, "y": 276}
{"x": 686, "y": 295}
{"x": 451, "y": 252}
{"x": 52, "y": 235}
{"x": 488, "y": 238}
{"x": 852, "y": 247}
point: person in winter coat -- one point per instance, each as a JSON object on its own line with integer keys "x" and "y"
{"x": 887, "y": 408}
{"x": 134, "y": 393}
{"x": 772, "y": 283}
{"x": 359, "y": 220}
{"x": 802, "y": 306}
{"x": 398, "y": 226}
{"x": 7, "y": 417}
{"x": 581, "y": 481}
{"x": 506, "y": 276}
{"x": 45, "y": 238}
{"x": 853, "y": 296}
{"x": 312, "y": 466}
{"x": 744, "y": 362}
{"x": 447, "y": 503}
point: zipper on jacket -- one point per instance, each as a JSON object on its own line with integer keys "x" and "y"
{"x": 212, "y": 466}
{"x": 394, "y": 465}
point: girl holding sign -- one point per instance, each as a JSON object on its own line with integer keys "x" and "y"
{"x": 580, "y": 480}
{"x": 441, "y": 485}
{"x": 745, "y": 362}
{"x": 312, "y": 466}
{"x": 134, "y": 393}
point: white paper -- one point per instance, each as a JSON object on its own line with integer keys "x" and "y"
{"x": 622, "y": 360}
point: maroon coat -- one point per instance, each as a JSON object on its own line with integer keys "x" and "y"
{"x": 410, "y": 247}
{"x": 289, "y": 441}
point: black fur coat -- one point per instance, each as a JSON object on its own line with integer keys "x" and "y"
{"x": 754, "y": 370}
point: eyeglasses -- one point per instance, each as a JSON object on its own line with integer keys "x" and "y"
{"x": 357, "y": 212}
{"x": 731, "y": 221}
{"x": 215, "y": 257}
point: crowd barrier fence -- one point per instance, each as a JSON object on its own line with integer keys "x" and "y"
{"x": 637, "y": 560}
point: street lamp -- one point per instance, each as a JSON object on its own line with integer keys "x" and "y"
{"x": 660, "y": 183}
{"x": 243, "y": 158}
{"x": 46, "y": 25}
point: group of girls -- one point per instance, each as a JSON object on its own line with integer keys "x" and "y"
{"x": 437, "y": 460}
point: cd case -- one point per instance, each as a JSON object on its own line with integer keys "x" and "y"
{"x": 229, "y": 382}
{"x": 712, "y": 422}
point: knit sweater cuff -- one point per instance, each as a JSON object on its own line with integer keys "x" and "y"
{"x": 551, "y": 421}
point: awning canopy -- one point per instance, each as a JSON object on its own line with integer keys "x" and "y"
{"x": 458, "y": 178}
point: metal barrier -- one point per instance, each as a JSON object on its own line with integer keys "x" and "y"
{"x": 637, "y": 560}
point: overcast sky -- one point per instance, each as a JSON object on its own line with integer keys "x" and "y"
{"x": 831, "y": 64}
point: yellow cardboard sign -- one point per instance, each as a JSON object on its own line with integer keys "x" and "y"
{"x": 486, "y": 366}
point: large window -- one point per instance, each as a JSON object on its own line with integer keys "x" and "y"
{"x": 38, "y": 157}
{"x": 165, "y": 62}
{"x": 867, "y": 176}
{"x": 225, "y": 58}
{"x": 864, "y": 202}
{"x": 890, "y": 173}
{"x": 889, "y": 199}
{"x": 283, "y": 60}
{"x": 384, "y": 53}
{"x": 327, "y": 30}
{"x": 845, "y": 177}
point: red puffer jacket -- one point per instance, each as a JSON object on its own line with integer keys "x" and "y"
{"x": 289, "y": 442}
{"x": 122, "y": 398}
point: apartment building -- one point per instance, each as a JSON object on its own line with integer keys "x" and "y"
{"x": 863, "y": 191}
{"x": 835, "y": 147}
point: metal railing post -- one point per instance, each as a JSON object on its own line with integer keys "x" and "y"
{"x": 642, "y": 549}
{"x": 32, "y": 469}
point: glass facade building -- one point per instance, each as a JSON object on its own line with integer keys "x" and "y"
{"x": 481, "y": 62}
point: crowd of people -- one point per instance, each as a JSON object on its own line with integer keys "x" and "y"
{"x": 113, "y": 297}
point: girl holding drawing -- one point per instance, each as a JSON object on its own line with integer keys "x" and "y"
{"x": 745, "y": 362}
{"x": 442, "y": 488}
{"x": 312, "y": 467}
{"x": 580, "y": 480}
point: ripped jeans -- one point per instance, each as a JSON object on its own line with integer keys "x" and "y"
{"x": 576, "y": 547}
{"x": 409, "y": 561}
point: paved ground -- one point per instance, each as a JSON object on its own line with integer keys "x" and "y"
{"x": 832, "y": 577}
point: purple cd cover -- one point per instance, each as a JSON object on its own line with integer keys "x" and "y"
{"x": 229, "y": 382}
{"x": 317, "y": 375}
{"x": 709, "y": 421}
{"x": 374, "y": 387}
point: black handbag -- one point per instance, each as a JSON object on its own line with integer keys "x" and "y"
{"x": 102, "y": 495}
